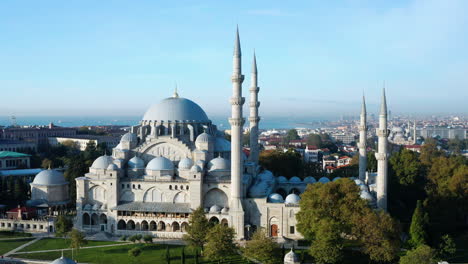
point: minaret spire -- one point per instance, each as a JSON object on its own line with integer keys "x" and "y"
{"x": 382, "y": 155}
{"x": 237, "y": 124}
{"x": 362, "y": 141}
{"x": 254, "y": 119}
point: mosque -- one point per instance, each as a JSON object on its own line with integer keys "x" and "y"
{"x": 176, "y": 160}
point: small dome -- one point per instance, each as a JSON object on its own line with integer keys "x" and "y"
{"x": 292, "y": 199}
{"x": 281, "y": 179}
{"x": 49, "y": 177}
{"x": 196, "y": 168}
{"x": 203, "y": 138}
{"x": 336, "y": 178}
{"x": 215, "y": 209}
{"x": 87, "y": 207}
{"x": 295, "y": 179}
{"x": 291, "y": 258}
{"x": 185, "y": 164}
{"x": 160, "y": 163}
{"x": 96, "y": 207}
{"x": 357, "y": 181}
{"x": 275, "y": 198}
{"x": 219, "y": 164}
{"x": 324, "y": 180}
{"x": 102, "y": 162}
{"x": 266, "y": 176}
{"x": 366, "y": 196}
{"x": 310, "y": 179}
{"x": 224, "y": 210}
{"x": 363, "y": 187}
{"x": 136, "y": 163}
{"x": 112, "y": 167}
{"x": 129, "y": 137}
{"x": 63, "y": 260}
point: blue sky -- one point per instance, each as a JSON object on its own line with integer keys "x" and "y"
{"x": 314, "y": 58}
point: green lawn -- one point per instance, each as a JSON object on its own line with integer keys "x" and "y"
{"x": 11, "y": 234}
{"x": 61, "y": 243}
{"x": 7, "y": 245}
{"x": 151, "y": 253}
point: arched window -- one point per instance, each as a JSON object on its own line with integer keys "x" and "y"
{"x": 121, "y": 225}
{"x": 181, "y": 187}
{"x": 175, "y": 187}
{"x": 139, "y": 186}
{"x": 86, "y": 219}
{"x": 170, "y": 187}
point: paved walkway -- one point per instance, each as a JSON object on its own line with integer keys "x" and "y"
{"x": 65, "y": 249}
{"x": 22, "y": 246}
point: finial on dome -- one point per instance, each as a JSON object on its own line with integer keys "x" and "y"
{"x": 176, "y": 95}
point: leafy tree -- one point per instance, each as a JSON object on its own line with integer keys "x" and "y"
{"x": 291, "y": 135}
{"x": 197, "y": 229}
{"x": 148, "y": 238}
{"x": 421, "y": 255}
{"x": 123, "y": 238}
{"x": 328, "y": 243}
{"x": 47, "y": 163}
{"x": 447, "y": 247}
{"x": 77, "y": 239}
{"x": 429, "y": 152}
{"x": 133, "y": 238}
{"x": 287, "y": 163}
{"x": 134, "y": 252}
{"x": 314, "y": 140}
{"x": 220, "y": 243}
{"x": 63, "y": 225}
{"x": 371, "y": 161}
{"x": 138, "y": 237}
{"x": 262, "y": 248}
{"x": 182, "y": 256}
{"x": 418, "y": 226}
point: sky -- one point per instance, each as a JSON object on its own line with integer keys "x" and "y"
{"x": 315, "y": 58}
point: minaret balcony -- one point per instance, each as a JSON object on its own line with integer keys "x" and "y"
{"x": 236, "y": 121}
{"x": 237, "y": 78}
{"x": 237, "y": 100}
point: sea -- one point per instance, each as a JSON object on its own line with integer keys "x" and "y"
{"x": 221, "y": 122}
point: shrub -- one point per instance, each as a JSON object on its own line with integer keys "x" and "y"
{"x": 148, "y": 238}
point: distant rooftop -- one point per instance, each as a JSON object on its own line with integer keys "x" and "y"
{"x": 12, "y": 154}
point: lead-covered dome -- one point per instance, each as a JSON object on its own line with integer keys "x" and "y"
{"x": 275, "y": 198}
{"x": 160, "y": 163}
{"x": 63, "y": 260}
{"x": 295, "y": 179}
{"x": 129, "y": 137}
{"x": 175, "y": 108}
{"x": 102, "y": 162}
{"x": 292, "y": 199}
{"x": 219, "y": 164}
{"x": 136, "y": 163}
{"x": 185, "y": 164}
{"x": 49, "y": 177}
{"x": 310, "y": 179}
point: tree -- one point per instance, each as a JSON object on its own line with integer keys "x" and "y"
{"x": 182, "y": 256}
{"x": 133, "y": 238}
{"x": 314, "y": 140}
{"x": 47, "y": 163}
{"x": 418, "y": 226}
{"x": 371, "y": 161}
{"x": 291, "y": 135}
{"x": 220, "y": 243}
{"x": 289, "y": 163}
{"x": 429, "y": 151}
{"x": 447, "y": 247}
{"x": 168, "y": 256}
{"x": 63, "y": 225}
{"x": 262, "y": 248}
{"x": 148, "y": 238}
{"x": 77, "y": 239}
{"x": 134, "y": 252}
{"x": 332, "y": 213}
{"x": 421, "y": 255}
{"x": 197, "y": 228}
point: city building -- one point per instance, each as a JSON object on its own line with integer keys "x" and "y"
{"x": 17, "y": 145}
{"x": 36, "y": 134}
{"x": 82, "y": 141}
{"x": 14, "y": 160}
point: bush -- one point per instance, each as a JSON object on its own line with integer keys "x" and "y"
{"x": 138, "y": 237}
{"x": 123, "y": 238}
{"x": 134, "y": 252}
{"x": 148, "y": 238}
{"x": 133, "y": 238}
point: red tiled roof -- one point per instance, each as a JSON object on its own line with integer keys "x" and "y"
{"x": 23, "y": 209}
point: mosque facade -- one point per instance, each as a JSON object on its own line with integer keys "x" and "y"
{"x": 176, "y": 160}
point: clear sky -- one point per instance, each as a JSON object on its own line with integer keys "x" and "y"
{"x": 314, "y": 58}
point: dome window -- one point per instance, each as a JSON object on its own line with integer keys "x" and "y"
{"x": 175, "y": 187}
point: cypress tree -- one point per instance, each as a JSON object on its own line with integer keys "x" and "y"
{"x": 168, "y": 256}
{"x": 182, "y": 256}
{"x": 418, "y": 226}
{"x": 196, "y": 256}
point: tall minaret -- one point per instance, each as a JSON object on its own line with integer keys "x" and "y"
{"x": 382, "y": 156}
{"x": 237, "y": 123}
{"x": 414, "y": 133}
{"x": 254, "y": 119}
{"x": 362, "y": 142}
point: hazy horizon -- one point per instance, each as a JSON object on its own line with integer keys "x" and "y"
{"x": 315, "y": 58}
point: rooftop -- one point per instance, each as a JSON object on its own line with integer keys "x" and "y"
{"x": 12, "y": 154}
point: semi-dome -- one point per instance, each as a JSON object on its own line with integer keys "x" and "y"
{"x": 185, "y": 164}
{"x": 88, "y": 207}
{"x": 291, "y": 258}
{"x": 275, "y": 198}
{"x": 366, "y": 196}
{"x": 49, "y": 177}
{"x": 215, "y": 209}
{"x": 102, "y": 162}
{"x": 175, "y": 109}
{"x": 295, "y": 179}
{"x": 281, "y": 179}
{"x": 292, "y": 199}
{"x": 112, "y": 167}
{"x": 222, "y": 145}
{"x": 129, "y": 137}
{"x": 203, "y": 138}
{"x": 63, "y": 260}
{"x": 195, "y": 168}
{"x": 136, "y": 163}
{"x": 160, "y": 163}
{"x": 310, "y": 179}
{"x": 324, "y": 180}
{"x": 219, "y": 163}
{"x": 225, "y": 210}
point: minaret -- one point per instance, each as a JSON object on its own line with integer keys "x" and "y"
{"x": 237, "y": 123}
{"x": 362, "y": 142}
{"x": 414, "y": 133}
{"x": 254, "y": 119}
{"x": 382, "y": 156}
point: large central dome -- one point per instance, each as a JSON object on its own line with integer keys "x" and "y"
{"x": 175, "y": 108}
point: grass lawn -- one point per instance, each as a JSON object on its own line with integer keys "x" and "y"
{"x": 11, "y": 234}
{"x": 61, "y": 243}
{"x": 151, "y": 253}
{"x": 7, "y": 245}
